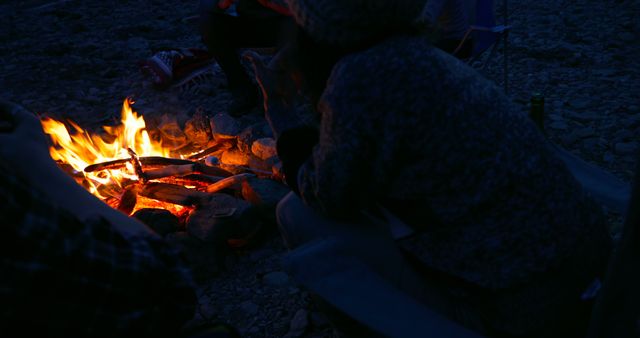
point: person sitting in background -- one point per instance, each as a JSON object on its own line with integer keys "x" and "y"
{"x": 448, "y": 21}
{"x": 225, "y": 27}
{"x": 71, "y": 265}
{"x": 430, "y": 174}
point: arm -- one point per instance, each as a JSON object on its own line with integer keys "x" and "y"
{"x": 336, "y": 175}
{"x": 338, "y": 179}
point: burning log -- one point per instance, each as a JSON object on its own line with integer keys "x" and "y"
{"x": 228, "y": 182}
{"x": 214, "y": 162}
{"x": 204, "y": 153}
{"x": 172, "y": 193}
{"x": 128, "y": 201}
{"x": 185, "y": 169}
{"x": 149, "y": 160}
{"x": 137, "y": 166}
{"x": 202, "y": 178}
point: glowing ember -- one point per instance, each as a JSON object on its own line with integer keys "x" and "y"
{"x": 79, "y": 149}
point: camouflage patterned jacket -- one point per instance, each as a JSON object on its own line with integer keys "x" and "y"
{"x": 414, "y": 129}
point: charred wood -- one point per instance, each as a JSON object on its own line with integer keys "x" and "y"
{"x": 149, "y": 160}
{"x": 172, "y": 193}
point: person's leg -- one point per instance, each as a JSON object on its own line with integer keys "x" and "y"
{"x": 224, "y": 35}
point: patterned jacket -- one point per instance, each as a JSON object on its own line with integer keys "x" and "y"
{"x": 414, "y": 129}
{"x": 64, "y": 277}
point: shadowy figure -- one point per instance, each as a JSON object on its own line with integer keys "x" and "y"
{"x": 448, "y": 21}
{"x": 227, "y": 26}
{"x": 430, "y": 174}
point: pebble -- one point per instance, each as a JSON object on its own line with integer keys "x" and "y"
{"x": 276, "y": 278}
{"x": 560, "y": 125}
{"x": 626, "y": 148}
{"x": 264, "y": 148}
{"x": 299, "y": 324}
{"x": 248, "y": 308}
{"x": 627, "y": 37}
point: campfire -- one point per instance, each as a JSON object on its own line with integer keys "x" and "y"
{"x": 130, "y": 170}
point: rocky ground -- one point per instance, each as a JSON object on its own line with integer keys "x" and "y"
{"x": 78, "y": 60}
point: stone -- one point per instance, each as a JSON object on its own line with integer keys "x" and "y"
{"x": 264, "y": 148}
{"x": 577, "y": 135}
{"x": 593, "y": 144}
{"x": 171, "y": 133}
{"x": 276, "y": 278}
{"x": 203, "y": 259}
{"x": 161, "y": 221}
{"x": 212, "y": 221}
{"x": 250, "y": 134}
{"x": 248, "y": 308}
{"x": 235, "y": 157}
{"x": 263, "y": 192}
{"x": 627, "y": 37}
{"x": 224, "y": 127}
{"x": 608, "y": 157}
{"x": 625, "y": 148}
{"x": 137, "y": 43}
{"x": 198, "y": 130}
{"x": 260, "y": 254}
{"x": 226, "y": 221}
{"x": 299, "y": 324}
{"x": 583, "y": 117}
{"x": 558, "y": 125}
{"x": 263, "y": 167}
{"x": 624, "y": 135}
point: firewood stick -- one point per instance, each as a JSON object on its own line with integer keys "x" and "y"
{"x": 202, "y": 178}
{"x": 202, "y": 154}
{"x": 128, "y": 201}
{"x": 185, "y": 169}
{"x": 149, "y": 160}
{"x": 228, "y": 182}
{"x": 172, "y": 193}
{"x": 170, "y": 170}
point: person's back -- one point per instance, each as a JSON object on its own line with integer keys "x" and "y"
{"x": 445, "y": 150}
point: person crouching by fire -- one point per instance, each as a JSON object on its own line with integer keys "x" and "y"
{"x": 506, "y": 239}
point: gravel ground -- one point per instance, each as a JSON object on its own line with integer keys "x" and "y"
{"x": 78, "y": 60}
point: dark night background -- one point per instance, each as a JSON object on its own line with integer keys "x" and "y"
{"x": 78, "y": 59}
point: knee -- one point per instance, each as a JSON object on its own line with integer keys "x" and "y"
{"x": 284, "y": 211}
{"x": 296, "y": 222}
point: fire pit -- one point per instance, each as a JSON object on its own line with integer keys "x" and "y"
{"x": 133, "y": 172}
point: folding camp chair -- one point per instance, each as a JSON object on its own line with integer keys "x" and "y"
{"x": 617, "y": 309}
{"x": 486, "y": 34}
{"x": 346, "y": 283}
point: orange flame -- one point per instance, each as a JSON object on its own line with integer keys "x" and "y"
{"x": 80, "y": 149}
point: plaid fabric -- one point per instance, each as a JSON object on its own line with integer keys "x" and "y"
{"x": 62, "y": 276}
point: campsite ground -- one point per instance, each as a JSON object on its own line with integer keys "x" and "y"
{"x": 78, "y": 60}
